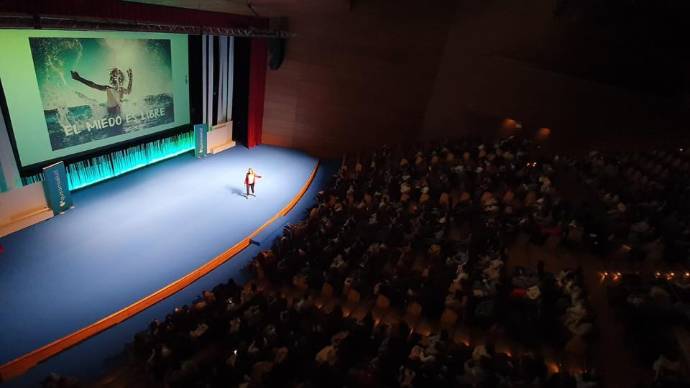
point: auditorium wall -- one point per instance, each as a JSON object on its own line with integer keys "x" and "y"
{"x": 359, "y": 73}
{"x": 356, "y": 73}
{"x": 514, "y": 58}
{"x": 8, "y": 166}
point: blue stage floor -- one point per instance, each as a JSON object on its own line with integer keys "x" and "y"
{"x": 132, "y": 235}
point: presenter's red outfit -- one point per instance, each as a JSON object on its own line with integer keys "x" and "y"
{"x": 249, "y": 181}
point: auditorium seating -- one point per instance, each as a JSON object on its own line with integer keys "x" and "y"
{"x": 404, "y": 250}
{"x": 401, "y": 275}
{"x": 654, "y": 316}
{"x": 641, "y": 205}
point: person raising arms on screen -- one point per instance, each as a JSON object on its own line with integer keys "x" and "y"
{"x": 249, "y": 181}
{"x": 115, "y": 91}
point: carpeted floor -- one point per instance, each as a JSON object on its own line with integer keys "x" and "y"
{"x": 130, "y": 236}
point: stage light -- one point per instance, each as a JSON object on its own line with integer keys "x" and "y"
{"x": 553, "y": 367}
{"x": 543, "y": 133}
{"x": 510, "y": 125}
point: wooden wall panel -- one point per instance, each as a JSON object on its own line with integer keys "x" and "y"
{"x": 355, "y": 77}
{"x": 515, "y": 59}
{"x": 360, "y": 73}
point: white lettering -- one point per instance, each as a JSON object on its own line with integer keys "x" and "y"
{"x": 60, "y": 189}
{"x": 97, "y": 124}
{"x": 113, "y": 121}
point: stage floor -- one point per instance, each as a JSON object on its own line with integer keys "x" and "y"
{"x": 132, "y": 235}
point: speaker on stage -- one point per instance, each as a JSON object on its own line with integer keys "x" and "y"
{"x": 277, "y": 46}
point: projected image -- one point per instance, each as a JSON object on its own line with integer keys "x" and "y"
{"x": 96, "y": 88}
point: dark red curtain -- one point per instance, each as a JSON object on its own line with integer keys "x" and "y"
{"x": 258, "y": 62}
{"x": 126, "y": 10}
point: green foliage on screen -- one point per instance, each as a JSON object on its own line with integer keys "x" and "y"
{"x": 71, "y": 92}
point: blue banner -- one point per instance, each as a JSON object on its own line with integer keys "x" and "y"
{"x": 200, "y": 140}
{"x": 3, "y": 184}
{"x": 56, "y": 189}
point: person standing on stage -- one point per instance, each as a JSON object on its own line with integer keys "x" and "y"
{"x": 249, "y": 181}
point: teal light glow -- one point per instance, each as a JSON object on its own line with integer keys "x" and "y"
{"x": 27, "y": 180}
{"x": 3, "y": 185}
{"x": 88, "y": 172}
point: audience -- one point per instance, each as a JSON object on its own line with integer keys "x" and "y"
{"x": 406, "y": 246}
{"x": 402, "y": 247}
{"x": 643, "y": 204}
{"x": 654, "y": 311}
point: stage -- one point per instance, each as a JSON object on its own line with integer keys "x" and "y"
{"x": 129, "y": 237}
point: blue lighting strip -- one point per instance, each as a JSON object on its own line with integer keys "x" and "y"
{"x": 88, "y": 172}
{"x": 3, "y": 184}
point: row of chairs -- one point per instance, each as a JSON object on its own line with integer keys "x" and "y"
{"x": 352, "y": 305}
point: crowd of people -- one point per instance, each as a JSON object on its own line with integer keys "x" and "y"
{"x": 404, "y": 250}
{"x": 254, "y": 337}
{"x": 401, "y": 249}
{"x": 654, "y": 311}
{"x": 545, "y": 306}
{"x": 643, "y": 207}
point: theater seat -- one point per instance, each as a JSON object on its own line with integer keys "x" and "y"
{"x": 448, "y": 319}
{"x": 325, "y": 297}
{"x": 413, "y": 314}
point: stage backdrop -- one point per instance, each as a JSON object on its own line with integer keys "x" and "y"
{"x": 71, "y": 91}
